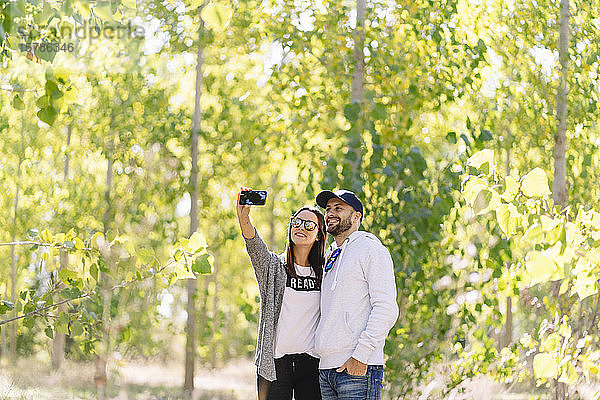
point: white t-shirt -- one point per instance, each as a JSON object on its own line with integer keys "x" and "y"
{"x": 300, "y": 312}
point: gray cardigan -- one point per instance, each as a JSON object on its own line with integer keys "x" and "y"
{"x": 269, "y": 269}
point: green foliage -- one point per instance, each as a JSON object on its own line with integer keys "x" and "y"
{"x": 555, "y": 252}
{"x": 449, "y": 149}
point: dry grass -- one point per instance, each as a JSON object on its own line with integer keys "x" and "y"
{"x": 30, "y": 379}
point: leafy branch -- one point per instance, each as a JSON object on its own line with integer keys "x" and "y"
{"x": 124, "y": 284}
{"x": 188, "y": 259}
{"x": 62, "y": 246}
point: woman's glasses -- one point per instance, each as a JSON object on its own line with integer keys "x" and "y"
{"x": 331, "y": 259}
{"x": 297, "y": 222}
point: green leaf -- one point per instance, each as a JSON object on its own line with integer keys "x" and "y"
{"x": 17, "y": 103}
{"x": 569, "y": 374}
{"x": 584, "y": 282}
{"x": 83, "y": 7}
{"x": 78, "y": 243}
{"x": 104, "y": 11}
{"x": 556, "y": 233}
{"x": 97, "y": 240}
{"x": 564, "y": 286}
{"x": 67, "y": 275}
{"x": 485, "y": 136}
{"x": 550, "y": 343}
{"x": 47, "y": 114}
{"x": 545, "y": 366}
{"x": 508, "y": 218}
{"x": 28, "y": 322}
{"x": 511, "y": 188}
{"x": 379, "y": 111}
{"x": 129, "y": 3}
{"x": 216, "y": 15}
{"x": 451, "y": 137}
{"x": 540, "y": 267}
{"x": 42, "y": 17}
{"x": 485, "y": 201}
{"x": 126, "y": 334}
{"x": 45, "y": 51}
{"x": 71, "y": 293}
{"x": 472, "y": 188}
{"x": 76, "y": 328}
{"x": 46, "y": 236}
{"x": 146, "y": 255}
{"x": 534, "y": 234}
{"x": 482, "y": 157}
{"x": 352, "y": 112}
{"x": 535, "y": 183}
{"x": 49, "y": 332}
{"x": 94, "y": 271}
{"x": 196, "y": 242}
{"x": 6, "y": 306}
{"x": 203, "y": 264}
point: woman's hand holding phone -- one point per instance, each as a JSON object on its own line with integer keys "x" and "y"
{"x": 243, "y": 213}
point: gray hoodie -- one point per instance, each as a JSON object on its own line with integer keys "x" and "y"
{"x": 358, "y": 303}
{"x": 269, "y": 269}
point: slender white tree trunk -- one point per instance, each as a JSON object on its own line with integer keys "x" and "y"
{"x": 358, "y": 76}
{"x": 58, "y": 344}
{"x": 13, "y": 255}
{"x": 353, "y": 167}
{"x": 101, "y": 376}
{"x": 559, "y": 186}
{"x": 13, "y": 272}
{"x": 215, "y": 311}
{"x": 191, "y": 324}
{"x": 508, "y": 325}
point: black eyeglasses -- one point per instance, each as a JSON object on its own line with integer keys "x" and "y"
{"x": 332, "y": 258}
{"x": 297, "y": 222}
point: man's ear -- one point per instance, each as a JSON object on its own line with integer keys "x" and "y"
{"x": 359, "y": 215}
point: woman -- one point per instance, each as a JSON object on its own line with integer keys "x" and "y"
{"x": 290, "y": 289}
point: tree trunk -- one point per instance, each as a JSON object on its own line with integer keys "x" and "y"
{"x": 353, "y": 158}
{"x": 4, "y": 348}
{"x": 191, "y": 329}
{"x": 13, "y": 273}
{"x": 358, "y": 76}
{"x": 215, "y": 311}
{"x": 58, "y": 345}
{"x": 101, "y": 377}
{"x": 13, "y": 255}
{"x": 559, "y": 186}
{"x": 271, "y": 215}
{"x": 508, "y": 324}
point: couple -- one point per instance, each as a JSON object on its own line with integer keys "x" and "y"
{"x": 324, "y": 314}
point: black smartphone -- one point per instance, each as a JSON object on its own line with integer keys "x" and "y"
{"x": 253, "y": 197}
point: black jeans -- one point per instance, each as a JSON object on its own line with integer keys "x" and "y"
{"x": 297, "y": 374}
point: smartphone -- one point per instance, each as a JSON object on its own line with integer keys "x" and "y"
{"x": 253, "y": 197}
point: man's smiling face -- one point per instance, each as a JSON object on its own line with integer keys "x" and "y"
{"x": 338, "y": 216}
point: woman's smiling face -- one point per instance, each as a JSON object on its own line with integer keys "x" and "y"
{"x": 300, "y": 235}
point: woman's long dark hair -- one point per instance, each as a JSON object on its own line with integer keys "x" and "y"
{"x": 316, "y": 256}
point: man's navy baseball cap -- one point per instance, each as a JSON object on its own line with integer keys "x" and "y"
{"x": 344, "y": 195}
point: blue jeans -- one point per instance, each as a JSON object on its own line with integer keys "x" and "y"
{"x": 343, "y": 386}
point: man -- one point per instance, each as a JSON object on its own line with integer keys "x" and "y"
{"x": 358, "y": 303}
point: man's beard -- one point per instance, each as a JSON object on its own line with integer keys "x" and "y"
{"x": 342, "y": 226}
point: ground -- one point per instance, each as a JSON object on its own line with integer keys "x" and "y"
{"x": 29, "y": 379}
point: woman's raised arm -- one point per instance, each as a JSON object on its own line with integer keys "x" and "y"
{"x": 243, "y": 214}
